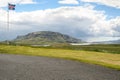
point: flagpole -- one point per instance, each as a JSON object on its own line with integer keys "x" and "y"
{"x": 8, "y": 23}
{"x": 10, "y": 7}
{"x": 8, "y": 20}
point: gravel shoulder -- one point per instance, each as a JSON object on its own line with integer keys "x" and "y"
{"x": 19, "y": 67}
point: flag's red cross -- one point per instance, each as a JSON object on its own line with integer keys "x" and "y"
{"x": 11, "y": 7}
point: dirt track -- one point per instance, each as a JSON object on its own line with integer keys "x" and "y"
{"x": 17, "y": 67}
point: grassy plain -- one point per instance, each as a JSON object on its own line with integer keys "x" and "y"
{"x": 106, "y": 48}
{"x": 92, "y": 57}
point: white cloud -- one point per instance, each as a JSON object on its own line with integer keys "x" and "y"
{"x": 4, "y": 3}
{"x": 112, "y": 3}
{"x": 115, "y": 24}
{"x": 26, "y": 2}
{"x": 68, "y": 2}
{"x": 82, "y": 21}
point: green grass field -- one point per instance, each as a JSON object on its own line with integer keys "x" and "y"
{"x": 92, "y": 57}
{"x": 106, "y": 48}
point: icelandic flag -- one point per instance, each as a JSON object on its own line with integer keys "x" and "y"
{"x": 11, "y": 6}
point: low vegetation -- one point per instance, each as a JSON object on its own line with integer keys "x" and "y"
{"x": 99, "y": 58}
{"x": 106, "y": 48}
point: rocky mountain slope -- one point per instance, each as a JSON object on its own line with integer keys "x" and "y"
{"x": 45, "y": 37}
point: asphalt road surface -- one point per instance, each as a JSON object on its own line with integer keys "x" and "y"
{"x": 17, "y": 67}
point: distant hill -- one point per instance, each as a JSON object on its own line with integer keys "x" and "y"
{"x": 109, "y": 42}
{"x": 45, "y": 37}
{"x": 115, "y": 42}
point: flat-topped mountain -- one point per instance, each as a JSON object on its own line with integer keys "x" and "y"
{"x": 45, "y": 37}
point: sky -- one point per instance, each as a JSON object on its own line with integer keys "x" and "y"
{"x": 89, "y": 20}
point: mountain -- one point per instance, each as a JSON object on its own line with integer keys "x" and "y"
{"x": 115, "y": 42}
{"x": 108, "y": 42}
{"x": 45, "y": 37}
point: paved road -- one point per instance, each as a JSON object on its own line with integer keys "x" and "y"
{"x": 16, "y": 67}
